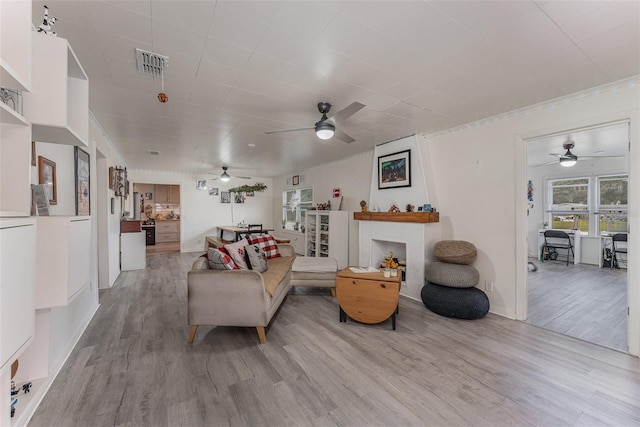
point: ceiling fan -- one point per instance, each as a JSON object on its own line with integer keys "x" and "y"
{"x": 569, "y": 159}
{"x": 224, "y": 176}
{"x": 325, "y": 128}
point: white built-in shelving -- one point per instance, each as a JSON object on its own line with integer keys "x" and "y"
{"x": 15, "y": 40}
{"x": 58, "y": 104}
{"x": 327, "y": 235}
{"x": 17, "y": 286}
{"x": 63, "y": 252}
{"x": 15, "y": 129}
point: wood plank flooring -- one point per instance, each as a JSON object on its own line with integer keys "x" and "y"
{"x": 133, "y": 366}
{"x": 581, "y": 301}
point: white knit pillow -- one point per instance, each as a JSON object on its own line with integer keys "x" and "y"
{"x": 236, "y": 251}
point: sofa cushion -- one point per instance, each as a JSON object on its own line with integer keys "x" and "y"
{"x": 278, "y": 270}
{"x": 236, "y": 251}
{"x": 202, "y": 263}
{"x": 225, "y": 251}
{"x": 219, "y": 260}
{"x": 256, "y": 258}
{"x": 267, "y": 243}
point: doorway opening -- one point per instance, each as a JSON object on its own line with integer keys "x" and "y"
{"x": 586, "y": 299}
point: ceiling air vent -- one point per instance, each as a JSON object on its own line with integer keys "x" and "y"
{"x": 153, "y": 152}
{"x": 151, "y": 64}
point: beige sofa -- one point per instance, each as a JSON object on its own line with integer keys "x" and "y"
{"x": 238, "y": 297}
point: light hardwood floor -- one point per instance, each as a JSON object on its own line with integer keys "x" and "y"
{"x": 133, "y": 366}
{"x": 582, "y": 301}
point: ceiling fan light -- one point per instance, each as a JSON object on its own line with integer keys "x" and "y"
{"x": 325, "y": 130}
{"x": 569, "y": 159}
{"x": 225, "y": 177}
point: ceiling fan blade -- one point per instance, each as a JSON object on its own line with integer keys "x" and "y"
{"x": 241, "y": 177}
{"x": 346, "y": 112}
{"x": 288, "y": 130}
{"x": 343, "y": 136}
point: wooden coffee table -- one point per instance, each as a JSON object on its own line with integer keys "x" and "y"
{"x": 367, "y": 297}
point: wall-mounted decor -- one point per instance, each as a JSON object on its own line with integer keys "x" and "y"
{"x": 113, "y": 205}
{"x": 47, "y": 176}
{"x": 258, "y": 186}
{"x": 394, "y": 170}
{"x": 112, "y": 177}
{"x": 238, "y": 197}
{"x": 82, "y": 182}
{"x": 40, "y": 199}
{"x": 33, "y": 154}
{"x": 249, "y": 194}
{"x": 120, "y": 183}
{"x": 148, "y": 196}
{"x": 225, "y": 197}
{"x": 201, "y": 184}
{"x": 213, "y": 191}
{"x": 296, "y": 179}
{"x": 12, "y": 98}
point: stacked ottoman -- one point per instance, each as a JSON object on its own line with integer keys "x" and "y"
{"x": 449, "y": 288}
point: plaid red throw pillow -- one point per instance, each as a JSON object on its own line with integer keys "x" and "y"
{"x": 268, "y": 245}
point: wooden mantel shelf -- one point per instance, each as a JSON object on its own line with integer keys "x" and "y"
{"x": 419, "y": 217}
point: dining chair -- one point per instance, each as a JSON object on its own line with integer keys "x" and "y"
{"x": 254, "y": 229}
{"x": 619, "y": 247}
{"x": 557, "y": 239}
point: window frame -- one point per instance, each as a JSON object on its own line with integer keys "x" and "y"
{"x": 593, "y": 211}
{"x": 300, "y": 209}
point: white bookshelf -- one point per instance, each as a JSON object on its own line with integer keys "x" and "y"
{"x": 327, "y": 235}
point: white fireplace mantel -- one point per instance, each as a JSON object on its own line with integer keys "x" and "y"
{"x": 418, "y": 239}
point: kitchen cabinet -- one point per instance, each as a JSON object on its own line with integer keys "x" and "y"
{"x": 167, "y": 231}
{"x": 133, "y": 254}
{"x": 167, "y": 194}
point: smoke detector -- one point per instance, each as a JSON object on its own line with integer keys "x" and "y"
{"x": 151, "y": 64}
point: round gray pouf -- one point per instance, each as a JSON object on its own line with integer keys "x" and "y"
{"x": 455, "y": 251}
{"x": 461, "y": 303}
{"x": 452, "y": 275}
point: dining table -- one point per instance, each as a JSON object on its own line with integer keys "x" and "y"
{"x": 237, "y": 231}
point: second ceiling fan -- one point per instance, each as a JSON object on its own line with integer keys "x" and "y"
{"x": 325, "y": 128}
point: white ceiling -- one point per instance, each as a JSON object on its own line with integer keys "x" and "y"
{"x": 238, "y": 69}
{"x": 598, "y": 141}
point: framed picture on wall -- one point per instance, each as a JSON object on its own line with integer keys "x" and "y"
{"x": 47, "y": 176}
{"x": 394, "y": 170}
{"x": 225, "y": 197}
{"x": 213, "y": 191}
{"x": 83, "y": 189}
{"x": 33, "y": 154}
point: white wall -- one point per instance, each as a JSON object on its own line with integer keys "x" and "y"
{"x": 480, "y": 179}
{"x": 108, "y": 223}
{"x": 351, "y": 175}
{"x": 200, "y": 213}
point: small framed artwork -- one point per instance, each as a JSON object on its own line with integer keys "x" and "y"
{"x": 249, "y": 194}
{"x": 238, "y": 198}
{"x": 33, "y": 154}
{"x": 213, "y": 191}
{"x": 113, "y": 205}
{"x": 225, "y": 197}
{"x": 47, "y": 176}
{"x": 394, "y": 170}
{"x": 201, "y": 184}
{"x": 148, "y": 196}
{"x": 296, "y": 179}
{"x": 83, "y": 189}
{"x": 112, "y": 177}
